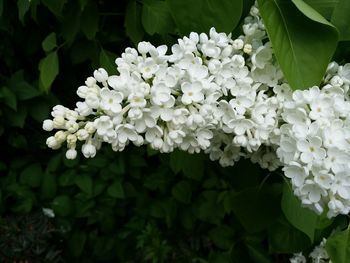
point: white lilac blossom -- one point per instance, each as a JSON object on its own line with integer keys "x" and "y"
{"x": 317, "y": 255}
{"x": 225, "y": 97}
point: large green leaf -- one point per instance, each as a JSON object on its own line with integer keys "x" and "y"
{"x": 324, "y": 7}
{"x": 201, "y": 15}
{"x": 338, "y": 246}
{"x": 49, "y": 69}
{"x": 341, "y": 19}
{"x": 302, "y": 218}
{"x": 156, "y": 17}
{"x": 256, "y": 208}
{"x": 89, "y": 20}
{"x": 303, "y": 40}
{"x": 283, "y": 238}
{"x": 132, "y": 22}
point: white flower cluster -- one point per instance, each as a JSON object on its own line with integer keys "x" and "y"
{"x": 318, "y": 255}
{"x": 225, "y": 97}
{"x": 315, "y": 143}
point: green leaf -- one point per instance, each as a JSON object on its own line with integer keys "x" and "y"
{"x": 341, "y": 19}
{"x": 49, "y": 42}
{"x": 324, "y": 7}
{"x": 303, "y": 40}
{"x": 9, "y": 97}
{"x": 31, "y": 175}
{"x": 23, "y": 7}
{"x": 247, "y": 206}
{"x": 302, "y": 218}
{"x": 48, "y": 186}
{"x": 116, "y": 190}
{"x": 89, "y": 20}
{"x": 76, "y": 243}
{"x": 49, "y": 69}
{"x": 338, "y": 246}
{"x": 67, "y": 178}
{"x": 283, "y": 238}
{"x": 222, "y": 236}
{"x": 258, "y": 254}
{"x": 55, "y": 6}
{"x": 182, "y": 192}
{"x": 156, "y": 17}
{"x": 17, "y": 117}
{"x": 22, "y": 88}
{"x": 107, "y": 61}
{"x": 132, "y": 22}
{"x": 84, "y": 182}
{"x": 200, "y": 16}
{"x": 62, "y": 205}
{"x": 182, "y": 161}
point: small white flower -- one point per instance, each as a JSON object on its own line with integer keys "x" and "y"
{"x": 88, "y": 150}
{"x": 101, "y": 75}
{"x": 192, "y": 93}
{"x": 48, "y": 212}
{"x": 71, "y": 154}
{"x": 48, "y": 125}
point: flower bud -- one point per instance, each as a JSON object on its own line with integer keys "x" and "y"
{"x": 48, "y": 125}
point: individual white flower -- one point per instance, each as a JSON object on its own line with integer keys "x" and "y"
{"x": 71, "y": 126}
{"x": 83, "y": 109}
{"x": 262, "y": 56}
{"x": 48, "y": 212}
{"x": 238, "y": 44}
{"x": 103, "y": 124}
{"x": 48, "y": 125}
{"x": 110, "y": 100}
{"x": 126, "y": 132}
{"x": 298, "y": 258}
{"x": 88, "y": 150}
{"x": 82, "y": 134}
{"x": 148, "y": 68}
{"x": 59, "y": 122}
{"x": 192, "y": 92}
{"x": 71, "y": 154}
{"x": 101, "y": 75}
{"x": 296, "y": 173}
{"x": 160, "y": 94}
{"x": 311, "y": 149}
{"x": 52, "y": 143}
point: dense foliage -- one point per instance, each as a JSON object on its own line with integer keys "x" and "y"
{"x": 138, "y": 205}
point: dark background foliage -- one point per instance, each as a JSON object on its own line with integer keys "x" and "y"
{"x": 134, "y": 206}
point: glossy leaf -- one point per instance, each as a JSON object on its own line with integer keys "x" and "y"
{"x": 302, "y": 218}
{"x": 247, "y": 206}
{"x": 338, "y": 246}
{"x": 49, "y": 69}
{"x": 89, "y": 20}
{"x": 303, "y": 40}
{"x": 132, "y": 22}
{"x": 199, "y": 16}
{"x": 324, "y": 7}
{"x": 49, "y": 42}
{"x": 341, "y": 19}
{"x": 156, "y": 17}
